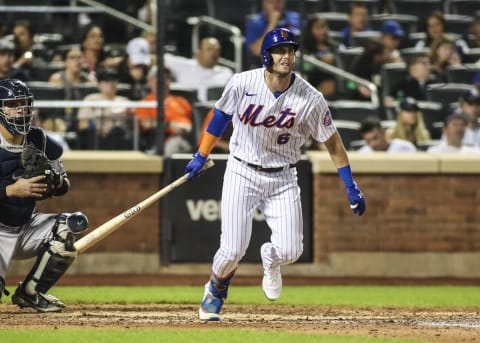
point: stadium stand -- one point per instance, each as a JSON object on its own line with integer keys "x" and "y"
{"x": 373, "y": 6}
{"x": 408, "y": 22}
{"x": 421, "y": 8}
{"x": 466, "y": 7}
{"x": 391, "y": 73}
{"x": 446, "y": 93}
{"x": 349, "y": 131}
{"x": 462, "y": 73}
{"x": 410, "y": 14}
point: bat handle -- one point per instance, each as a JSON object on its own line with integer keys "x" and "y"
{"x": 208, "y": 164}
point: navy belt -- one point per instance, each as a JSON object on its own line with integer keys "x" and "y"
{"x": 262, "y": 169}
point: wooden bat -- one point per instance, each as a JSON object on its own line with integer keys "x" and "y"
{"x": 113, "y": 224}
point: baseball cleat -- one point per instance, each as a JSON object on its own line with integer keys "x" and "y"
{"x": 40, "y": 302}
{"x": 210, "y": 307}
{"x": 272, "y": 277}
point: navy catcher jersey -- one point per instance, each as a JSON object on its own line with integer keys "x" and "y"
{"x": 18, "y": 211}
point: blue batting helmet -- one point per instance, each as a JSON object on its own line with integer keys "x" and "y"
{"x": 274, "y": 38}
{"x": 16, "y": 94}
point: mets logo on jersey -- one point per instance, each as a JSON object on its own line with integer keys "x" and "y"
{"x": 327, "y": 118}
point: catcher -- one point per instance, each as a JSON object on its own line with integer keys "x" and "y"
{"x": 30, "y": 170}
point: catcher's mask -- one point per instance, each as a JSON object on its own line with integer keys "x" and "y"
{"x": 16, "y": 106}
{"x": 274, "y": 38}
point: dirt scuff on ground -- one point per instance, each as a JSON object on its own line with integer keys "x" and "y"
{"x": 427, "y": 324}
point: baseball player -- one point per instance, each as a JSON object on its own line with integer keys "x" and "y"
{"x": 23, "y": 232}
{"x": 273, "y": 112}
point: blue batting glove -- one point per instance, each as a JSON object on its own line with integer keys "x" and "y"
{"x": 357, "y": 199}
{"x": 194, "y": 167}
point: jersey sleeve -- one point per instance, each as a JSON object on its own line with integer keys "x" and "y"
{"x": 37, "y": 136}
{"x": 321, "y": 122}
{"x": 229, "y": 99}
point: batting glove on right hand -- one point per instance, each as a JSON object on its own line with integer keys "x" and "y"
{"x": 195, "y": 166}
{"x": 357, "y": 199}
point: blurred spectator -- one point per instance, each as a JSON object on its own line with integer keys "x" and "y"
{"x": 203, "y": 71}
{"x": 69, "y": 78}
{"x": 368, "y": 66}
{"x": 374, "y": 135}
{"x": 392, "y": 36}
{"x": 134, "y": 67}
{"x": 28, "y": 54}
{"x": 474, "y": 36}
{"x": 105, "y": 128}
{"x": 454, "y": 127}
{"x": 469, "y": 105}
{"x": 319, "y": 44}
{"x": 7, "y": 70}
{"x": 357, "y": 22}
{"x": 151, "y": 38}
{"x": 435, "y": 30}
{"x": 273, "y": 15}
{"x": 476, "y": 81}
{"x": 442, "y": 55}
{"x": 410, "y": 125}
{"x": 177, "y": 118}
{"x": 54, "y": 127}
{"x": 93, "y": 48}
{"x": 72, "y": 75}
{"x": 147, "y": 12}
{"x": 415, "y": 83}
{"x": 222, "y": 145}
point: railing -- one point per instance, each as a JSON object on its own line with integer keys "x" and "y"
{"x": 236, "y": 38}
{"x": 346, "y": 75}
{"x": 50, "y": 104}
{"x": 119, "y": 15}
{"x": 41, "y": 10}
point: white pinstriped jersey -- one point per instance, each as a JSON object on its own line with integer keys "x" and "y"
{"x": 270, "y": 131}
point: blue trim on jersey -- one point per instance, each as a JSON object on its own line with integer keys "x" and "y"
{"x": 218, "y": 123}
{"x": 346, "y": 175}
{"x": 292, "y": 79}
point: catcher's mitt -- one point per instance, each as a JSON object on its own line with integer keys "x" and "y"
{"x": 36, "y": 163}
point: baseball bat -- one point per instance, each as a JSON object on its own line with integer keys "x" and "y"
{"x": 113, "y": 224}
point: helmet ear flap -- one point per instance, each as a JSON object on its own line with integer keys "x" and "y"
{"x": 267, "y": 59}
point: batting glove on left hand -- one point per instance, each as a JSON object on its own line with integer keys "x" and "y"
{"x": 194, "y": 167}
{"x": 357, "y": 199}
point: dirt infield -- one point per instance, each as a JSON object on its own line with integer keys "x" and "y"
{"x": 451, "y": 325}
{"x": 432, "y": 325}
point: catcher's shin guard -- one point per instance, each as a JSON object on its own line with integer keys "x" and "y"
{"x": 57, "y": 255}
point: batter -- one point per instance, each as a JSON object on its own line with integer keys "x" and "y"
{"x": 273, "y": 111}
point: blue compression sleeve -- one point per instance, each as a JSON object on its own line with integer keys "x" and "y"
{"x": 346, "y": 175}
{"x": 219, "y": 123}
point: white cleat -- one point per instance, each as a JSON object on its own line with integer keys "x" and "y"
{"x": 272, "y": 278}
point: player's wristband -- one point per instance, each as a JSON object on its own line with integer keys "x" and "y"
{"x": 214, "y": 131}
{"x": 218, "y": 123}
{"x": 346, "y": 175}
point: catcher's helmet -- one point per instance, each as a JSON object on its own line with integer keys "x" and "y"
{"x": 16, "y": 95}
{"x": 274, "y": 38}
